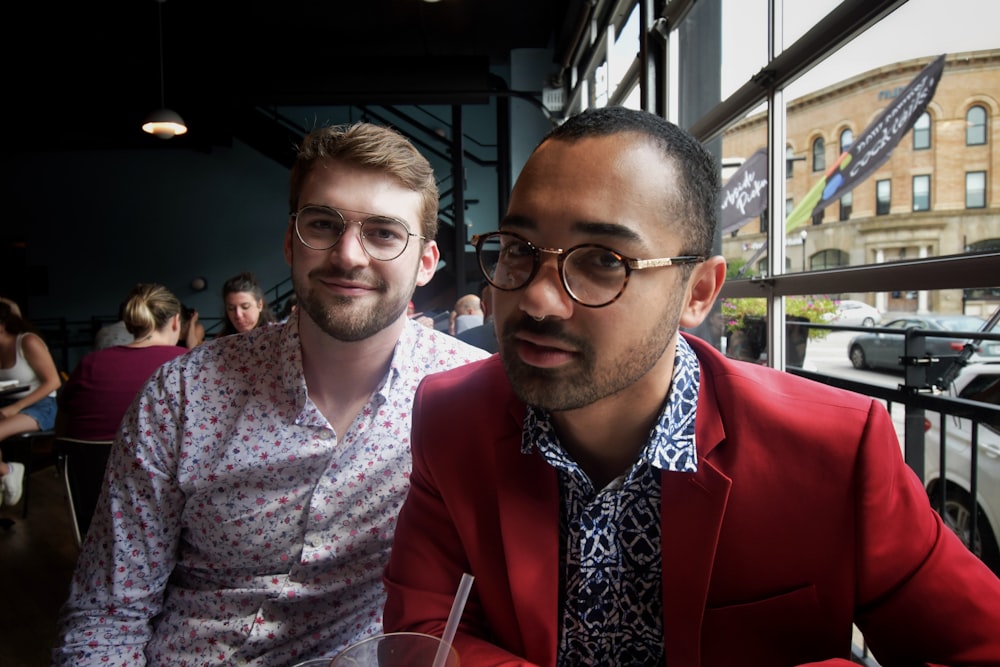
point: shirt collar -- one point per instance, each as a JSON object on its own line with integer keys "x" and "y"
{"x": 671, "y": 445}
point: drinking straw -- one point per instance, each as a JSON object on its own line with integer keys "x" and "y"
{"x": 451, "y": 627}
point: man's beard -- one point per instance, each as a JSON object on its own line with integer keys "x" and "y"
{"x": 584, "y": 380}
{"x": 349, "y": 319}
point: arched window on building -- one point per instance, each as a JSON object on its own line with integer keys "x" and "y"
{"x": 846, "y": 139}
{"x": 819, "y": 154}
{"x": 829, "y": 259}
{"x": 975, "y": 126}
{"x": 922, "y": 132}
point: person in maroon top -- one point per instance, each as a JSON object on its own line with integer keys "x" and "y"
{"x": 104, "y": 383}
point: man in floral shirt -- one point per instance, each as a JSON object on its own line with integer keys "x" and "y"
{"x": 251, "y": 495}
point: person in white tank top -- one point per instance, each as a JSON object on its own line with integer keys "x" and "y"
{"x": 24, "y": 357}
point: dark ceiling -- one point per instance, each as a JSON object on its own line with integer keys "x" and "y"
{"x": 85, "y": 74}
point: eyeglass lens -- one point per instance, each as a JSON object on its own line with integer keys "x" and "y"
{"x": 592, "y": 275}
{"x": 320, "y": 228}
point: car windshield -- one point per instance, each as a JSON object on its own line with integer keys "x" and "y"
{"x": 960, "y": 323}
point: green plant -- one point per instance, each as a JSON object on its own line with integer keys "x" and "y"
{"x": 812, "y": 308}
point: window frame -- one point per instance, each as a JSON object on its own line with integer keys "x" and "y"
{"x": 976, "y": 129}
{"x": 883, "y": 205}
{"x": 921, "y": 202}
{"x": 982, "y": 190}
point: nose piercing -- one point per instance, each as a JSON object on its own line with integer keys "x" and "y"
{"x": 538, "y": 319}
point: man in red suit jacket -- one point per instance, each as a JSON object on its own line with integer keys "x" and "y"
{"x": 625, "y": 495}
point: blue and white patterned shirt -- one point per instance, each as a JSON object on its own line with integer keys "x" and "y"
{"x": 238, "y": 528}
{"x": 610, "y": 548}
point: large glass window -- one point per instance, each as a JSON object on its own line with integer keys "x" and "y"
{"x": 922, "y": 192}
{"x": 975, "y": 189}
{"x": 922, "y": 132}
{"x": 883, "y": 197}
{"x": 975, "y": 126}
{"x": 819, "y": 154}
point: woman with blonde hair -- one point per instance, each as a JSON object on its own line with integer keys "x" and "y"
{"x": 24, "y": 357}
{"x": 103, "y": 384}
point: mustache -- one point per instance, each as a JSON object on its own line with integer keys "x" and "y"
{"x": 549, "y": 327}
{"x": 359, "y": 276}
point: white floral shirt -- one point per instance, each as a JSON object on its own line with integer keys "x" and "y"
{"x": 236, "y": 528}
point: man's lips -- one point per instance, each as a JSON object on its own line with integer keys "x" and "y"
{"x": 543, "y": 351}
{"x": 343, "y": 285}
{"x": 542, "y": 341}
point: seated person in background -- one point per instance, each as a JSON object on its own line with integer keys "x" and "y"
{"x": 246, "y": 307}
{"x": 113, "y": 334}
{"x": 420, "y": 318}
{"x": 291, "y": 303}
{"x": 105, "y": 382}
{"x": 468, "y": 313}
{"x": 624, "y": 494}
{"x": 24, "y": 357}
{"x": 192, "y": 331}
{"x": 483, "y": 336}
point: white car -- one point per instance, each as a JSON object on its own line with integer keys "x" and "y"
{"x": 854, "y": 313}
{"x": 979, "y": 382}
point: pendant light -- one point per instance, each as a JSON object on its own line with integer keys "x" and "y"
{"x": 163, "y": 123}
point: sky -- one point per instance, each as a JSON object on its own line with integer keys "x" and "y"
{"x": 920, "y": 28}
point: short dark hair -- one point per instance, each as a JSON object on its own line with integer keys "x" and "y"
{"x": 697, "y": 169}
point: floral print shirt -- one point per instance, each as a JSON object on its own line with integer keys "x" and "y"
{"x": 236, "y": 527}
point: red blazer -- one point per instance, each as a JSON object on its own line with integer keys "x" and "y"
{"x": 801, "y": 519}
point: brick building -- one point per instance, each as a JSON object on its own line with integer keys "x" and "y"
{"x": 933, "y": 197}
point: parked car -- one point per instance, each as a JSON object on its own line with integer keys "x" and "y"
{"x": 880, "y": 349}
{"x": 854, "y": 313}
{"x": 981, "y": 382}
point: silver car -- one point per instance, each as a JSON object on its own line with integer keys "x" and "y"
{"x": 853, "y": 313}
{"x": 883, "y": 349}
{"x": 979, "y": 382}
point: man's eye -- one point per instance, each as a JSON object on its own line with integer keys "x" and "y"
{"x": 596, "y": 259}
{"x": 378, "y": 229}
{"x": 320, "y": 224}
{"x": 517, "y": 250}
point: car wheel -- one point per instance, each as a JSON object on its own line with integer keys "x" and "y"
{"x": 868, "y": 322}
{"x": 858, "y": 359}
{"x": 958, "y": 518}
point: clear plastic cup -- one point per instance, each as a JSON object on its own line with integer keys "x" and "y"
{"x": 396, "y": 649}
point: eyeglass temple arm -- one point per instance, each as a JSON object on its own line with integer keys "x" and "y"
{"x": 664, "y": 261}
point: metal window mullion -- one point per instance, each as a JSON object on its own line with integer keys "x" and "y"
{"x": 776, "y": 192}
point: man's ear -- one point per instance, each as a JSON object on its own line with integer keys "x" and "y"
{"x": 429, "y": 257}
{"x": 703, "y": 287}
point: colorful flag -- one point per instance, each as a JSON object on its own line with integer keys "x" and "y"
{"x": 872, "y": 147}
{"x": 744, "y": 196}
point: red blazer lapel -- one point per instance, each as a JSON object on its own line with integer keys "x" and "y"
{"x": 691, "y": 512}
{"x": 692, "y": 507}
{"x": 529, "y": 522}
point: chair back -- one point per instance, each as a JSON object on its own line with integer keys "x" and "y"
{"x": 34, "y": 450}
{"x": 82, "y": 464}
